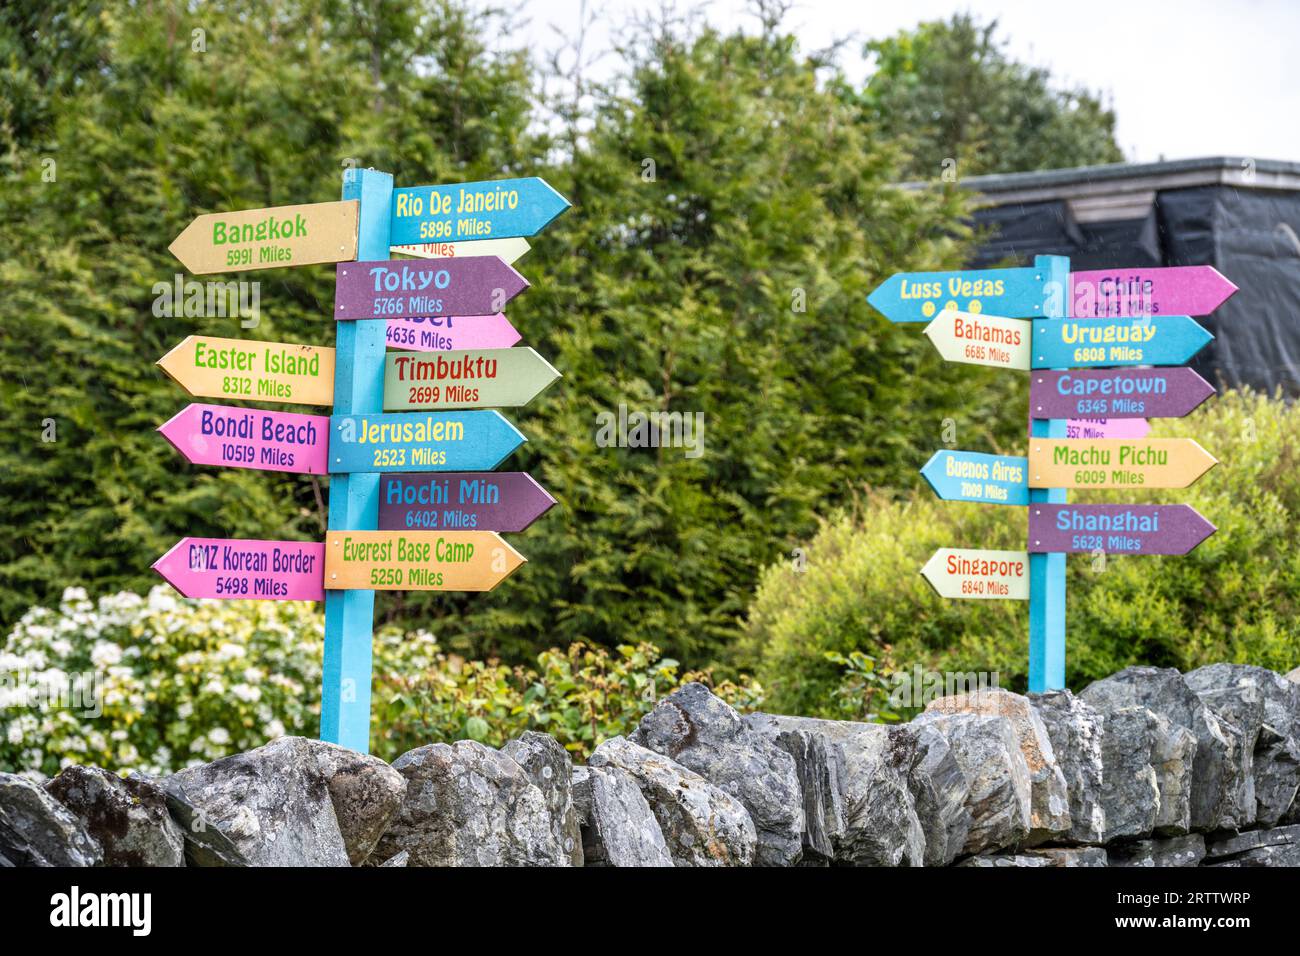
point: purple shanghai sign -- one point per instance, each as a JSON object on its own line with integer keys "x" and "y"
{"x": 461, "y": 501}
{"x": 411, "y": 288}
{"x": 1116, "y": 529}
{"x": 1116, "y": 393}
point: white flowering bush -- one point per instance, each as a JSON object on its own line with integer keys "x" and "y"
{"x": 155, "y": 683}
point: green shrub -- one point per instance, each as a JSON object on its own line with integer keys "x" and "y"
{"x": 158, "y": 683}
{"x": 1235, "y": 598}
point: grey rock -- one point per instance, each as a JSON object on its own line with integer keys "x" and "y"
{"x": 823, "y": 806}
{"x": 128, "y": 818}
{"x": 469, "y": 805}
{"x": 702, "y": 825}
{"x": 703, "y": 733}
{"x": 1075, "y": 730}
{"x": 1222, "y": 794}
{"x": 1049, "y": 801}
{"x": 550, "y": 768}
{"x": 881, "y": 826}
{"x": 1279, "y": 846}
{"x": 1293, "y": 675}
{"x": 397, "y": 860}
{"x": 365, "y": 793}
{"x": 272, "y": 803}
{"x": 1173, "y": 755}
{"x": 37, "y": 830}
{"x": 618, "y": 826}
{"x": 1221, "y": 847}
{"x": 1130, "y": 792}
{"x": 1266, "y": 708}
{"x": 939, "y": 788}
{"x": 1185, "y": 850}
{"x": 989, "y": 754}
{"x": 1090, "y": 856}
{"x": 205, "y": 844}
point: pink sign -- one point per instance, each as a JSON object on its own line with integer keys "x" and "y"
{"x": 251, "y": 438}
{"x": 253, "y": 570}
{"x": 1170, "y": 290}
{"x": 444, "y": 333}
{"x": 1132, "y": 428}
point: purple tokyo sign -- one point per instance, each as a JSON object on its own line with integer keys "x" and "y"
{"x": 411, "y": 288}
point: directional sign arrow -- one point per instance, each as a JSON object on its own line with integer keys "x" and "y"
{"x": 250, "y": 438}
{"x": 1169, "y": 290}
{"x": 1152, "y": 340}
{"x": 268, "y": 238}
{"x": 971, "y": 476}
{"x": 979, "y": 339}
{"x": 236, "y": 569}
{"x": 1107, "y": 428}
{"x": 446, "y": 333}
{"x": 507, "y": 250}
{"x": 1116, "y": 463}
{"x": 979, "y": 575}
{"x": 410, "y": 288}
{"x": 1117, "y": 393}
{"x": 418, "y": 560}
{"x": 419, "y": 441}
{"x": 483, "y": 501}
{"x": 497, "y": 209}
{"x": 208, "y": 367}
{"x": 480, "y": 378}
{"x": 920, "y": 296}
{"x": 1117, "y": 529}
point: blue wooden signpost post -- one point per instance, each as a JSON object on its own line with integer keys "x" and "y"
{"x": 1047, "y": 571}
{"x": 354, "y": 497}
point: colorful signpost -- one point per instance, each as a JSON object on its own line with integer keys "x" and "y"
{"x": 479, "y": 501}
{"x": 1116, "y": 463}
{"x": 234, "y": 569}
{"x": 1085, "y": 343}
{"x": 507, "y": 250}
{"x": 978, "y": 339}
{"x": 1166, "y": 290}
{"x": 448, "y": 333}
{"x": 446, "y": 441}
{"x": 1027, "y": 293}
{"x": 1117, "y": 393}
{"x": 971, "y": 476}
{"x": 208, "y": 367}
{"x": 250, "y": 438}
{"x": 1118, "y": 529}
{"x": 418, "y": 560}
{"x": 405, "y": 288}
{"x": 476, "y": 378}
{"x": 1130, "y": 428}
{"x": 979, "y": 575}
{"x": 439, "y": 525}
{"x": 268, "y": 238}
{"x": 1087, "y": 427}
{"x": 498, "y": 209}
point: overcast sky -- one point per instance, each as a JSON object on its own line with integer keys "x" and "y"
{"x": 1188, "y": 78}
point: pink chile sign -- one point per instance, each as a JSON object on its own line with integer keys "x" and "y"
{"x": 259, "y": 570}
{"x": 251, "y": 438}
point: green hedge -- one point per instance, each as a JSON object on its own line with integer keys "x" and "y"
{"x": 1235, "y": 598}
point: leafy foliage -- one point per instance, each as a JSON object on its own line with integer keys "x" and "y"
{"x": 1234, "y": 598}
{"x": 949, "y": 91}
{"x": 160, "y": 683}
{"x": 730, "y": 282}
